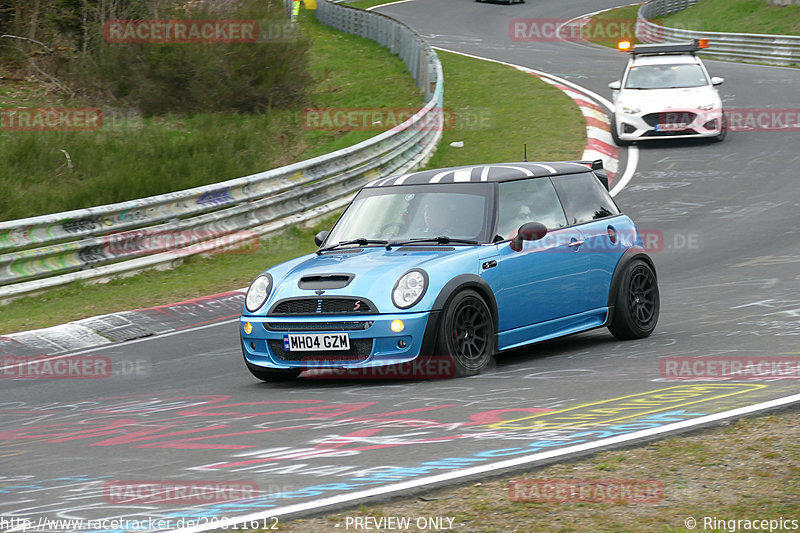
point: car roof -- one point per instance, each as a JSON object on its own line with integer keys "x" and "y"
{"x": 489, "y": 172}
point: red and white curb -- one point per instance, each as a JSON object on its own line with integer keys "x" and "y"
{"x": 599, "y": 143}
{"x": 125, "y": 326}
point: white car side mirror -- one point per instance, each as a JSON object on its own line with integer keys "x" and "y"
{"x": 615, "y": 85}
{"x": 716, "y": 80}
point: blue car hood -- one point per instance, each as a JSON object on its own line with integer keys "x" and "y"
{"x": 375, "y": 271}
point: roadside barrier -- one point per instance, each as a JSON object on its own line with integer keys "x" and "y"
{"x": 753, "y": 47}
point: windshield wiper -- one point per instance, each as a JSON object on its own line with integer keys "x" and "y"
{"x": 360, "y": 242}
{"x": 439, "y": 240}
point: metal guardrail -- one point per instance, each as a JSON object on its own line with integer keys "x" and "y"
{"x": 760, "y": 48}
{"x": 98, "y": 242}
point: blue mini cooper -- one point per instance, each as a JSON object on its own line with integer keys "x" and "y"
{"x": 458, "y": 263}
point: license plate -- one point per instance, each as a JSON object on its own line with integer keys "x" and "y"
{"x": 673, "y": 126}
{"x": 315, "y": 342}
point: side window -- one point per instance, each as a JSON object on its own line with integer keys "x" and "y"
{"x": 531, "y": 200}
{"x": 584, "y": 198}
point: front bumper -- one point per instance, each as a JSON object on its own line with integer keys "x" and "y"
{"x": 669, "y": 124}
{"x": 372, "y": 342}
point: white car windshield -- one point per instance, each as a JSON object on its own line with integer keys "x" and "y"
{"x": 665, "y": 77}
{"x": 415, "y": 212}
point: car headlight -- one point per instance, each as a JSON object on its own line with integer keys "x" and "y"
{"x": 258, "y": 292}
{"x": 410, "y": 288}
{"x": 630, "y": 110}
{"x": 707, "y": 107}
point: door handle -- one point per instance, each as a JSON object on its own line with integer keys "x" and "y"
{"x": 575, "y": 243}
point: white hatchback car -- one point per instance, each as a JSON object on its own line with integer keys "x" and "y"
{"x": 666, "y": 92}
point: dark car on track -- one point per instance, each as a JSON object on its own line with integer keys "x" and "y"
{"x": 458, "y": 262}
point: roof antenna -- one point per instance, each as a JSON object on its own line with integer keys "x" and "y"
{"x": 525, "y": 152}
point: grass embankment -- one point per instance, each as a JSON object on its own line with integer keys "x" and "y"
{"x": 133, "y": 157}
{"x": 738, "y": 16}
{"x": 732, "y": 16}
{"x": 748, "y": 469}
{"x": 496, "y": 108}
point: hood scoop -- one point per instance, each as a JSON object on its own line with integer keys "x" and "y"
{"x": 325, "y": 281}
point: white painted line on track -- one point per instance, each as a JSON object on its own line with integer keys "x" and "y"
{"x": 388, "y": 4}
{"x": 489, "y": 468}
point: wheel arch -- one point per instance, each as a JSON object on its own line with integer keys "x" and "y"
{"x": 450, "y": 289}
{"x": 631, "y": 254}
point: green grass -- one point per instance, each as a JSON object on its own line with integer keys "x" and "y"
{"x": 625, "y": 15}
{"x": 140, "y": 157}
{"x": 738, "y": 16}
{"x": 497, "y": 109}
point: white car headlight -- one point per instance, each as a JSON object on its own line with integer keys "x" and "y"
{"x": 707, "y": 107}
{"x": 410, "y": 288}
{"x": 630, "y": 110}
{"x": 258, "y": 292}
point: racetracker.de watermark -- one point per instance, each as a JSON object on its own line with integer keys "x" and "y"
{"x": 586, "y": 490}
{"x": 51, "y": 119}
{"x": 730, "y": 368}
{"x": 381, "y": 119}
{"x": 45, "y": 367}
{"x": 186, "y": 242}
{"x": 321, "y": 366}
{"x": 180, "y": 492}
{"x": 609, "y": 31}
{"x": 180, "y": 31}
{"x": 652, "y": 240}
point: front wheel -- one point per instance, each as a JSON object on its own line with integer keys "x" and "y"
{"x": 615, "y": 135}
{"x": 272, "y": 376}
{"x": 723, "y": 130}
{"x": 466, "y": 333}
{"x": 637, "y": 304}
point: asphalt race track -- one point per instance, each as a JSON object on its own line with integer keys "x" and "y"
{"x": 726, "y": 216}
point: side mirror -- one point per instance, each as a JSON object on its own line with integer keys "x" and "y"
{"x": 320, "y": 237}
{"x": 716, "y": 80}
{"x": 615, "y": 85}
{"x": 532, "y": 231}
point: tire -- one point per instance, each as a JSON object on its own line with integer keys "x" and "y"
{"x": 724, "y": 132}
{"x": 466, "y": 334}
{"x": 637, "y": 302}
{"x": 272, "y": 376}
{"x": 615, "y": 135}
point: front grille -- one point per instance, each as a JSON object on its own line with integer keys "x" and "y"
{"x": 669, "y": 117}
{"x": 322, "y": 306}
{"x": 318, "y": 326}
{"x": 359, "y": 351}
{"x": 652, "y": 133}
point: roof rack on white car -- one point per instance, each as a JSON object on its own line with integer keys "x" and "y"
{"x": 683, "y": 47}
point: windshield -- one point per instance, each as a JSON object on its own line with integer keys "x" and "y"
{"x": 665, "y": 77}
{"x": 458, "y": 211}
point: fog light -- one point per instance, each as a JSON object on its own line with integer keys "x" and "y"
{"x": 253, "y": 346}
{"x": 401, "y": 343}
{"x": 397, "y": 326}
{"x": 248, "y": 328}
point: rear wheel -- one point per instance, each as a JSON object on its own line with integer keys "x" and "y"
{"x": 466, "y": 333}
{"x": 272, "y": 376}
{"x": 637, "y": 304}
